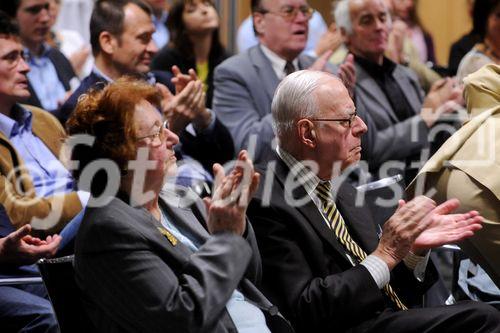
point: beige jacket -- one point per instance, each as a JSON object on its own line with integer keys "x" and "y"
{"x": 21, "y": 204}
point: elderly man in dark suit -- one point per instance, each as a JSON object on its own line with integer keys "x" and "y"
{"x": 323, "y": 263}
{"x": 388, "y": 96}
{"x": 245, "y": 83}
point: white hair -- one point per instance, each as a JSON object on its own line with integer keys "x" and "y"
{"x": 295, "y": 99}
{"x": 343, "y": 18}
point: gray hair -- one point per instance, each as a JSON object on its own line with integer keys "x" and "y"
{"x": 295, "y": 99}
{"x": 343, "y": 16}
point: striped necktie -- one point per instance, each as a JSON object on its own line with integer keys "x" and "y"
{"x": 337, "y": 224}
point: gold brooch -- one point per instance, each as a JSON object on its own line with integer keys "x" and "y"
{"x": 171, "y": 238}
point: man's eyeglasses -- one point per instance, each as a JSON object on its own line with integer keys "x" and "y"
{"x": 346, "y": 122}
{"x": 289, "y": 13}
{"x": 13, "y": 58}
{"x": 158, "y": 137}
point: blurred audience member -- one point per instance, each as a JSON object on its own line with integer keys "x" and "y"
{"x": 388, "y": 96}
{"x": 245, "y": 83}
{"x": 467, "y": 167}
{"x": 149, "y": 259}
{"x": 487, "y": 51}
{"x": 122, "y": 45}
{"x": 70, "y": 43}
{"x": 25, "y": 308}
{"x": 194, "y": 44}
{"x": 406, "y": 11}
{"x": 52, "y": 77}
{"x": 247, "y": 36}
{"x": 402, "y": 50}
{"x": 160, "y": 16}
{"x": 323, "y": 262}
{"x": 460, "y": 48}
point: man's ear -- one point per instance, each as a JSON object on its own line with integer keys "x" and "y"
{"x": 306, "y": 133}
{"x": 259, "y": 23}
{"x": 108, "y": 42}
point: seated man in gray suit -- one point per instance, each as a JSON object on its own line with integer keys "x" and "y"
{"x": 245, "y": 83}
{"x": 388, "y": 96}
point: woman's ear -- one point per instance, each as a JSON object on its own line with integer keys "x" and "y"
{"x": 306, "y": 132}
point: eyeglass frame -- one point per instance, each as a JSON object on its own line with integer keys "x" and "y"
{"x": 160, "y": 134}
{"x": 349, "y": 120}
{"x": 292, "y": 15}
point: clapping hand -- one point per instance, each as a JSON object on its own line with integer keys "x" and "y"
{"x": 231, "y": 196}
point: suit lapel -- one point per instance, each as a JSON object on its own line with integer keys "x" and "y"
{"x": 358, "y": 219}
{"x": 408, "y": 88}
{"x": 309, "y": 211}
{"x": 184, "y": 217}
{"x": 264, "y": 71}
{"x": 370, "y": 87}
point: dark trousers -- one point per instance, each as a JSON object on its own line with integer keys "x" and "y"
{"x": 466, "y": 317}
{"x": 25, "y": 308}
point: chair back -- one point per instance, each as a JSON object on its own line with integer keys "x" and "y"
{"x": 59, "y": 278}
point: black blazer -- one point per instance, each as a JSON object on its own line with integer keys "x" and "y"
{"x": 135, "y": 279}
{"x": 64, "y": 71}
{"x": 206, "y": 147}
{"x": 305, "y": 268}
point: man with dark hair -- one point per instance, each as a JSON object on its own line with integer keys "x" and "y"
{"x": 121, "y": 37}
{"x": 51, "y": 77}
{"x": 34, "y": 185}
{"x": 245, "y": 83}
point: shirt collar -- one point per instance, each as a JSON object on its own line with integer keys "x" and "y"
{"x": 303, "y": 174}
{"x": 160, "y": 20}
{"x": 43, "y": 54}
{"x": 149, "y": 77}
{"x": 277, "y": 62}
{"x": 20, "y": 119}
{"x": 375, "y": 69}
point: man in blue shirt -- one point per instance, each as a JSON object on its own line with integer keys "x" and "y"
{"x": 35, "y": 188}
{"x": 51, "y": 77}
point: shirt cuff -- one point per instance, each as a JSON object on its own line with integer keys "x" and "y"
{"x": 207, "y": 130}
{"x": 378, "y": 270}
{"x": 418, "y": 264}
{"x": 84, "y": 197}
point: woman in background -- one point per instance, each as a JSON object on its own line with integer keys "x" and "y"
{"x": 406, "y": 11}
{"x": 488, "y": 50}
{"x": 194, "y": 42}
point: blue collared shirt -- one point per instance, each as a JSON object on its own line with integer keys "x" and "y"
{"x": 48, "y": 174}
{"x": 161, "y": 35}
{"x": 44, "y": 79}
{"x": 246, "y": 317}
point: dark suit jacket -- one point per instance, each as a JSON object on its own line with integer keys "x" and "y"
{"x": 207, "y": 147}
{"x": 134, "y": 279}
{"x": 64, "y": 71}
{"x": 305, "y": 268}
